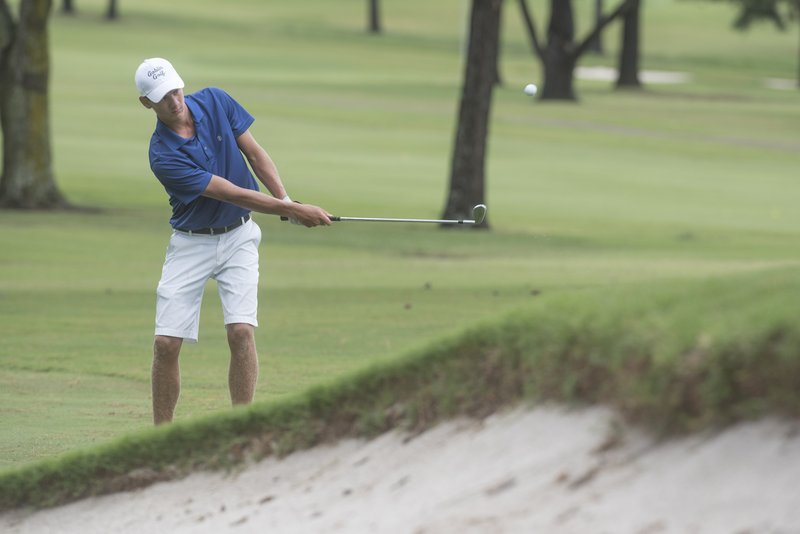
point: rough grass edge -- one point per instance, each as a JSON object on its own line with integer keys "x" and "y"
{"x": 581, "y": 350}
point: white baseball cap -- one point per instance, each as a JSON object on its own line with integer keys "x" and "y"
{"x": 156, "y": 77}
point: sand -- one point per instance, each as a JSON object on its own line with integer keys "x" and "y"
{"x": 548, "y": 470}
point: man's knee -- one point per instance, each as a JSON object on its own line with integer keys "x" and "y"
{"x": 240, "y": 331}
{"x": 166, "y": 348}
{"x": 241, "y": 335}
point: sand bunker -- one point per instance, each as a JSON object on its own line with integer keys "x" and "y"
{"x": 547, "y": 470}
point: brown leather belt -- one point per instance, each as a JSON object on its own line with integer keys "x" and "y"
{"x": 216, "y": 231}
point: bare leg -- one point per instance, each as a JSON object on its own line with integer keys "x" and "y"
{"x": 166, "y": 377}
{"x": 243, "y": 371}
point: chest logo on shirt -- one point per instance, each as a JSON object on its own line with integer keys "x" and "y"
{"x": 219, "y": 138}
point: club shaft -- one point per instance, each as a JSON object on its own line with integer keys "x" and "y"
{"x": 386, "y": 219}
{"x": 478, "y": 212}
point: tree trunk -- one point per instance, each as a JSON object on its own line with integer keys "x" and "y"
{"x": 66, "y": 7}
{"x": 498, "y": 77}
{"x": 558, "y": 56}
{"x": 112, "y": 13}
{"x": 27, "y": 177}
{"x": 596, "y": 45}
{"x": 561, "y": 54}
{"x": 467, "y": 175}
{"x": 374, "y": 16}
{"x": 559, "y": 74}
{"x": 628, "y": 77}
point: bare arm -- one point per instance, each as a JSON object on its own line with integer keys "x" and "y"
{"x": 307, "y": 214}
{"x": 262, "y": 165}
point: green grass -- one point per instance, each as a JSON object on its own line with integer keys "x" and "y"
{"x": 673, "y": 357}
{"x": 645, "y": 190}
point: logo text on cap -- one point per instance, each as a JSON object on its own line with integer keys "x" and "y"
{"x": 156, "y": 73}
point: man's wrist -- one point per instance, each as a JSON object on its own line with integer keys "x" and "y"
{"x": 289, "y": 201}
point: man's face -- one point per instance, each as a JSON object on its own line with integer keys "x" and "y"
{"x": 170, "y": 107}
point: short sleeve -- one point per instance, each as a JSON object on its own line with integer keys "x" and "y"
{"x": 238, "y": 117}
{"x": 180, "y": 177}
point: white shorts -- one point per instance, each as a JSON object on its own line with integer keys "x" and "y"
{"x": 231, "y": 259}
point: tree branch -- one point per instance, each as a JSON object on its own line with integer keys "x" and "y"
{"x": 529, "y": 25}
{"x": 605, "y": 21}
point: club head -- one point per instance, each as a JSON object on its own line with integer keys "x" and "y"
{"x": 479, "y": 213}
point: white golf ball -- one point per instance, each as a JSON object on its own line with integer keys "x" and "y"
{"x": 530, "y": 89}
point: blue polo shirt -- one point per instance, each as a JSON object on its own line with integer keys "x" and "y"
{"x": 185, "y": 166}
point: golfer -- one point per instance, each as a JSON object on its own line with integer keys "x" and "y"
{"x": 200, "y": 152}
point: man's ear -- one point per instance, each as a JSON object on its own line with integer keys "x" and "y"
{"x": 146, "y": 102}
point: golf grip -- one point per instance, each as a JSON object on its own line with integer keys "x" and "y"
{"x": 333, "y": 219}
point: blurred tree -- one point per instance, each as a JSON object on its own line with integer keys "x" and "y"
{"x": 596, "y": 46}
{"x": 112, "y": 12}
{"x": 27, "y": 179}
{"x": 561, "y": 52}
{"x": 628, "y": 70}
{"x": 467, "y": 173}
{"x": 779, "y": 12}
{"x": 756, "y": 10}
{"x": 373, "y": 7}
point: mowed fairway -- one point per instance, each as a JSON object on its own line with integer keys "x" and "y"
{"x": 678, "y": 181}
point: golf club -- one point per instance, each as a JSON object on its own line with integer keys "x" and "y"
{"x": 478, "y": 215}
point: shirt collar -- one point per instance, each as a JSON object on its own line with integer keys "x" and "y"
{"x": 173, "y": 140}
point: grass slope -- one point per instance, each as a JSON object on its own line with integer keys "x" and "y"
{"x": 673, "y": 358}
